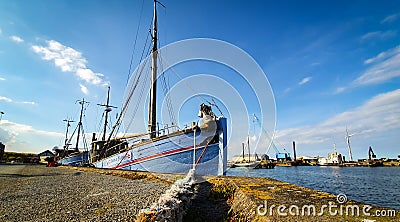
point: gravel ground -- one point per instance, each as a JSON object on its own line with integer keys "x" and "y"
{"x": 37, "y": 193}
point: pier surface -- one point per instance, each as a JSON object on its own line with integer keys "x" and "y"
{"x": 38, "y": 193}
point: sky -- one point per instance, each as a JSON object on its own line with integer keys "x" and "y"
{"x": 331, "y": 65}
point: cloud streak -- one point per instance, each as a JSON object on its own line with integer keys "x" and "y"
{"x": 16, "y": 39}
{"x": 84, "y": 89}
{"x": 305, "y": 80}
{"x": 5, "y": 99}
{"x": 384, "y": 66}
{"x": 391, "y": 18}
{"x": 8, "y": 100}
{"x": 379, "y": 35}
{"x": 68, "y": 60}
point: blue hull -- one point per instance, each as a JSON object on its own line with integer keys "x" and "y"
{"x": 75, "y": 159}
{"x": 174, "y": 154}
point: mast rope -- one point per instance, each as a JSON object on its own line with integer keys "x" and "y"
{"x": 134, "y": 44}
{"x": 202, "y": 153}
{"x": 166, "y": 89}
{"x": 137, "y": 76}
{"x": 201, "y": 98}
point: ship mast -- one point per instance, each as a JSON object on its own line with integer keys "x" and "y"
{"x": 66, "y": 144}
{"x": 106, "y": 110}
{"x": 82, "y": 102}
{"x": 153, "y": 82}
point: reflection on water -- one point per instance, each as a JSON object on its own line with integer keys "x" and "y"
{"x": 372, "y": 185}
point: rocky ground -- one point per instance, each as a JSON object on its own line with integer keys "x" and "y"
{"x": 38, "y": 193}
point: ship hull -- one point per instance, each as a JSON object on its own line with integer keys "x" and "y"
{"x": 75, "y": 159}
{"x": 247, "y": 165}
{"x": 175, "y": 154}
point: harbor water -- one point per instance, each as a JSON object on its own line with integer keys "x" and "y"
{"x": 371, "y": 185}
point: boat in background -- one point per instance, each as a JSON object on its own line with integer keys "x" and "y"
{"x": 334, "y": 159}
{"x": 252, "y": 161}
{"x": 73, "y": 156}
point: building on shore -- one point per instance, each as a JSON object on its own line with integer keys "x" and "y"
{"x": 43, "y": 156}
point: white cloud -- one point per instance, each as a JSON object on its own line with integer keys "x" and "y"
{"x": 384, "y": 66}
{"x": 29, "y": 103}
{"x": 1, "y": 32}
{"x": 377, "y": 115}
{"x": 24, "y": 138}
{"x": 2, "y": 79}
{"x": 340, "y": 90}
{"x": 84, "y": 89}
{"x": 68, "y": 60}
{"x": 16, "y": 39}
{"x": 315, "y": 64}
{"x": 305, "y": 80}
{"x": 391, "y": 18}
{"x": 287, "y": 90}
{"x": 379, "y": 35}
{"x": 5, "y": 99}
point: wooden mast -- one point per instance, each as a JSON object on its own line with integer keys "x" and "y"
{"x": 153, "y": 82}
{"x": 107, "y": 110}
{"x": 66, "y": 144}
{"x": 82, "y": 102}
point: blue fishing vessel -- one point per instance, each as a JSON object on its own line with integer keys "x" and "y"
{"x": 74, "y": 156}
{"x": 201, "y": 146}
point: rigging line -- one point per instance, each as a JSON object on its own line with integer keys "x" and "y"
{"x": 202, "y": 153}
{"x": 200, "y": 97}
{"x": 215, "y": 104}
{"x": 127, "y": 102}
{"x": 134, "y": 44}
{"x": 98, "y": 129}
{"x": 136, "y": 107}
{"x": 165, "y": 91}
{"x": 85, "y": 146}
{"x": 70, "y": 138}
{"x": 138, "y": 75}
{"x": 125, "y": 105}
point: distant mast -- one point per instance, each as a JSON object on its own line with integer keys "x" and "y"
{"x": 82, "y": 102}
{"x": 106, "y": 110}
{"x": 66, "y": 143}
{"x": 153, "y": 83}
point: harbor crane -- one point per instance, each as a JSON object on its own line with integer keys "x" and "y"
{"x": 371, "y": 154}
{"x": 279, "y": 155}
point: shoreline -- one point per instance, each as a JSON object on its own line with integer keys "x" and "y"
{"x": 117, "y": 194}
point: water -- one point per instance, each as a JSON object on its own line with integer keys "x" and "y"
{"x": 371, "y": 185}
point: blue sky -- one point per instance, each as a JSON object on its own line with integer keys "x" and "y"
{"x": 330, "y": 64}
